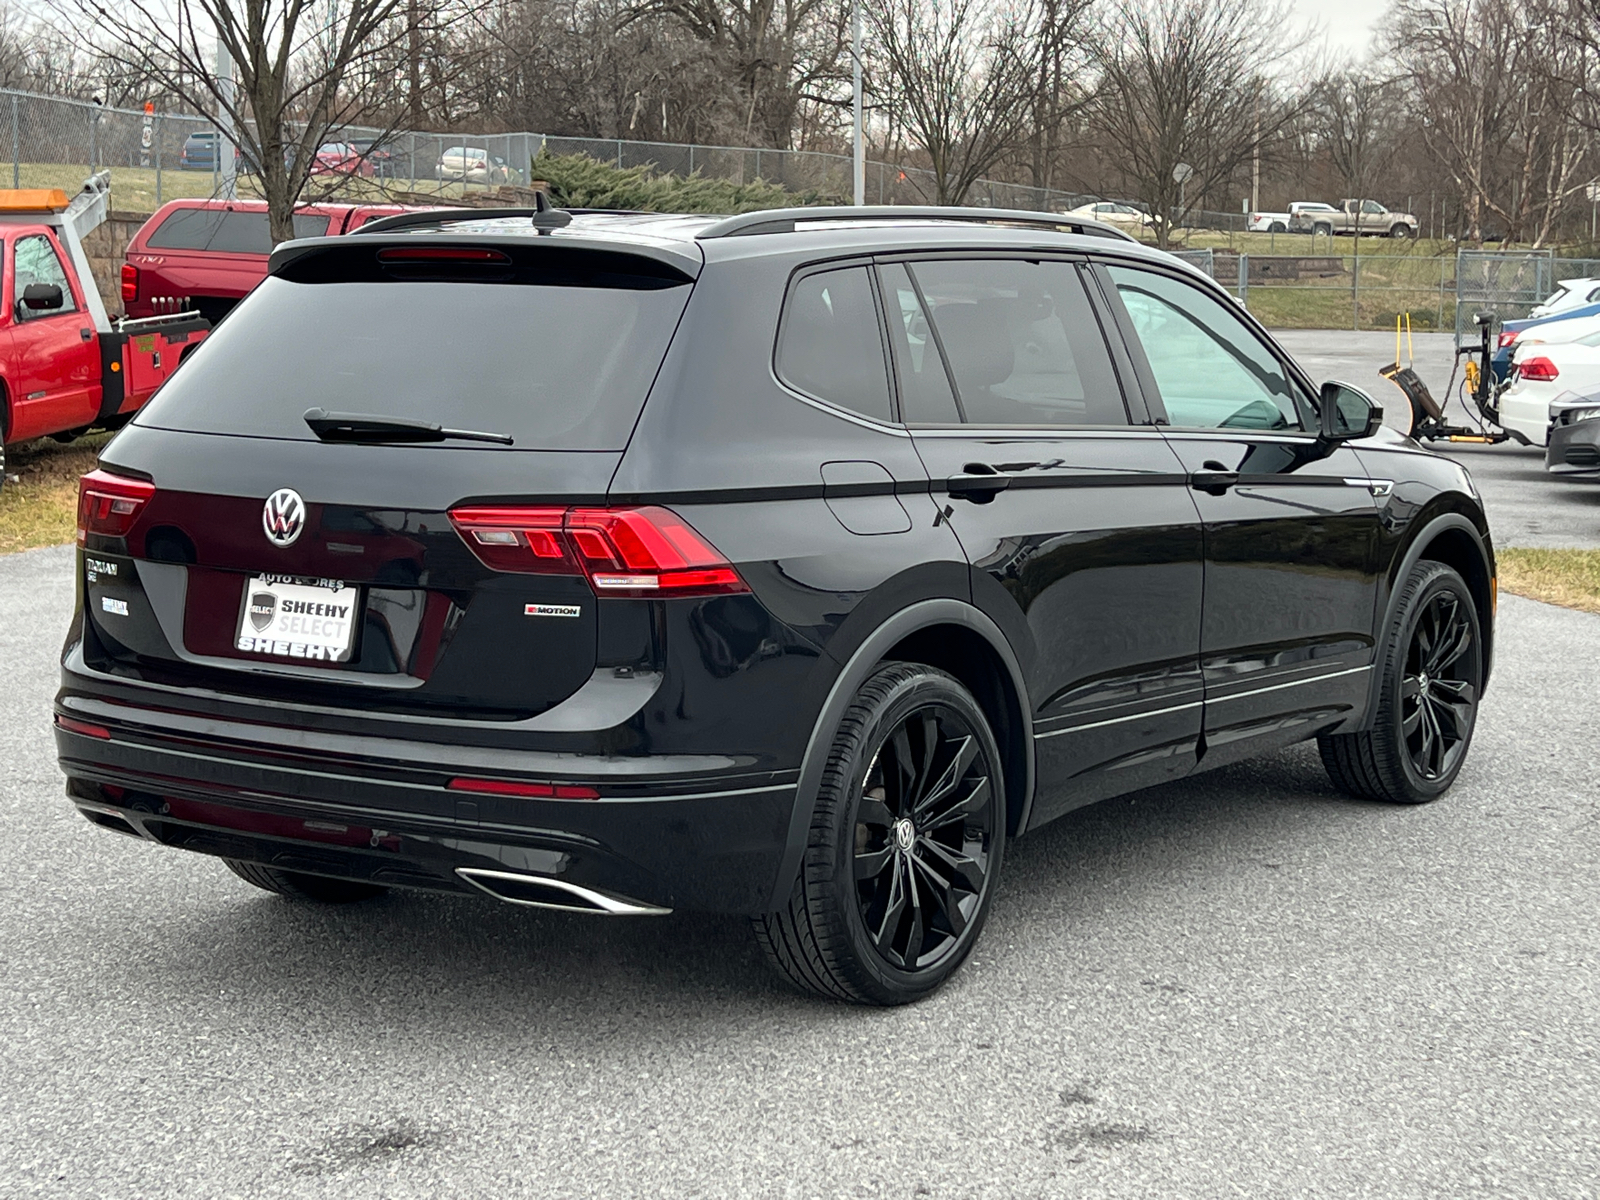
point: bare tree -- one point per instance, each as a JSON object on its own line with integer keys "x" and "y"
{"x": 1357, "y": 112}
{"x": 1186, "y": 81}
{"x": 1063, "y": 88}
{"x": 291, "y": 61}
{"x": 959, "y": 78}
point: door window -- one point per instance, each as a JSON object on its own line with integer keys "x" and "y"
{"x": 1372, "y": 206}
{"x": 1024, "y": 347}
{"x": 830, "y": 345}
{"x": 926, "y": 397}
{"x": 1210, "y": 368}
{"x": 37, "y": 262}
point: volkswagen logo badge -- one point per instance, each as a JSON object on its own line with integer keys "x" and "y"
{"x": 283, "y": 517}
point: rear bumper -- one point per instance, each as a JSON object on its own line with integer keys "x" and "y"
{"x": 1574, "y": 449}
{"x": 365, "y": 812}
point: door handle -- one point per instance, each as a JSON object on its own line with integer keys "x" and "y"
{"x": 1214, "y": 479}
{"x": 978, "y": 483}
{"x": 86, "y": 334}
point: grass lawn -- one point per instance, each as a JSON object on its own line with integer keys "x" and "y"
{"x": 39, "y": 502}
{"x": 1566, "y": 577}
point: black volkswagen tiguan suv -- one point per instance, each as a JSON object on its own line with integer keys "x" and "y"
{"x": 786, "y": 564}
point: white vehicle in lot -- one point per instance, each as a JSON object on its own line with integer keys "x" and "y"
{"x": 1269, "y": 222}
{"x": 1124, "y": 216}
{"x": 1542, "y": 372}
{"x": 1552, "y": 333}
{"x": 1569, "y": 293}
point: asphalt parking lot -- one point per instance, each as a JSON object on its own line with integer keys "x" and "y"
{"x": 1244, "y": 984}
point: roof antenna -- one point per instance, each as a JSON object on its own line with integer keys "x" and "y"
{"x": 547, "y": 218}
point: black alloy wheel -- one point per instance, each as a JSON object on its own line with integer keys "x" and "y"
{"x": 924, "y": 826}
{"x": 905, "y": 845}
{"x": 1432, "y": 664}
{"x": 1439, "y": 690}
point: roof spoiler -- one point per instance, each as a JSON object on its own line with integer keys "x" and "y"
{"x": 542, "y": 216}
{"x": 789, "y": 220}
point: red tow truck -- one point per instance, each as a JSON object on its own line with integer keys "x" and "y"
{"x": 65, "y": 366}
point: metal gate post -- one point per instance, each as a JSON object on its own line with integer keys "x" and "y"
{"x": 1244, "y": 281}
{"x": 16, "y": 164}
{"x": 1355, "y": 292}
{"x": 158, "y": 161}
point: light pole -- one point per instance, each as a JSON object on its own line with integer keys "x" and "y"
{"x": 859, "y": 152}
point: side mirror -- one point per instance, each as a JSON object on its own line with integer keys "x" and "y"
{"x": 1347, "y": 412}
{"x": 38, "y": 297}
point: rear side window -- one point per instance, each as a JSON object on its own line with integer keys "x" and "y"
{"x": 830, "y": 345}
{"x": 222, "y": 231}
{"x": 1023, "y": 345}
{"x": 557, "y": 366}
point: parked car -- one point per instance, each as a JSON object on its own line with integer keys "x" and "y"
{"x": 1564, "y": 326}
{"x": 473, "y": 164}
{"x": 787, "y": 564}
{"x": 1367, "y": 216}
{"x": 65, "y": 367}
{"x": 1268, "y": 222}
{"x": 379, "y": 156}
{"x": 1569, "y": 294}
{"x": 204, "y": 255}
{"x": 1124, "y": 216}
{"x": 341, "y": 158}
{"x": 1540, "y": 373}
{"x": 1574, "y": 446}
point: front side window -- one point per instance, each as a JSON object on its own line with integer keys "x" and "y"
{"x": 37, "y": 262}
{"x": 1210, "y": 368}
{"x": 1372, "y": 206}
{"x": 1022, "y": 343}
{"x": 829, "y": 345}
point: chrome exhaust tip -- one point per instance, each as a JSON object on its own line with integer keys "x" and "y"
{"x": 542, "y": 891}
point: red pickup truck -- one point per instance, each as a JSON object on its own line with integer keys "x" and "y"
{"x": 65, "y": 367}
{"x": 205, "y": 255}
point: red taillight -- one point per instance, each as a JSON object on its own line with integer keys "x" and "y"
{"x": 72, "y": 725}
{"x": 109, "y": 504}
{"x": 1540, "y": 369}
{"x": 505, "y": 787}
{"x": 624, "y": 551}
{"x": 130, "y": 281}
{"x": 1507, "y": 336}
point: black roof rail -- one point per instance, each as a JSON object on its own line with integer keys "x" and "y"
{"x": 542, "y": 216}
{"x": 787, "y": 220}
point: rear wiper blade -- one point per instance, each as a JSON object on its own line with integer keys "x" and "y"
{"x": 364, "y": 427}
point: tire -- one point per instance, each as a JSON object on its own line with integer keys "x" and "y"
{"x": 299, "y": 886}
{"x": 1277, "y": 227}
{"x": 1432, "y": 663}
{"x": 1325, "y": 229}
{"x": 913, "y": 744}
{"x": 1400, "y": 231}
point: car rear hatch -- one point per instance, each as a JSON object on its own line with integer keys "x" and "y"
{"x": 230, "y": 545}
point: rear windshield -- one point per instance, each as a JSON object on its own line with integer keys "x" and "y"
{"x": 227, "y": 232}
{"x": 555, "y": 367}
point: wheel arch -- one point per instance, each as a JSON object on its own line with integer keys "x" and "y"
{"x": 952, "y": 636}
{"x": 1452, "y": 539}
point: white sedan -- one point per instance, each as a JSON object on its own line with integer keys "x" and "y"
{"x": 1569, "y": 293}
{"x": 1541, "y": 372}
{"x": 1124, "y": 215}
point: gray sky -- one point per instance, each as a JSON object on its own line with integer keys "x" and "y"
{"x": 1347, "y": 24}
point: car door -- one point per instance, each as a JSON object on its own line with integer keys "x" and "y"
{"x": 1084, "y": 544}
{"x": 1291, "y": 522}
{"x": 56, "y": 360}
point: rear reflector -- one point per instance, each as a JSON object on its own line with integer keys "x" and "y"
{"x": 72, "y": 725}
{"x": 505, "y": 787}
{"x": 1540, "y": 369}
{"x": 109, "y": 504}
{"x": 624, "y": 551}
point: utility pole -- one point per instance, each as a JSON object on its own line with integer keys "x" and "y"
{"x": 859, "y": 153}
{"x": 226, "y": 167}
{"x": 414, "y": 65}
{"x": 1255, "y": 159}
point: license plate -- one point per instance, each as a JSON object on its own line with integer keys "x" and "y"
{"x": 311, "y": 620}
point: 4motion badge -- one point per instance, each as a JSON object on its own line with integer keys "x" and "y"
{"x": 551, "y": 610}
